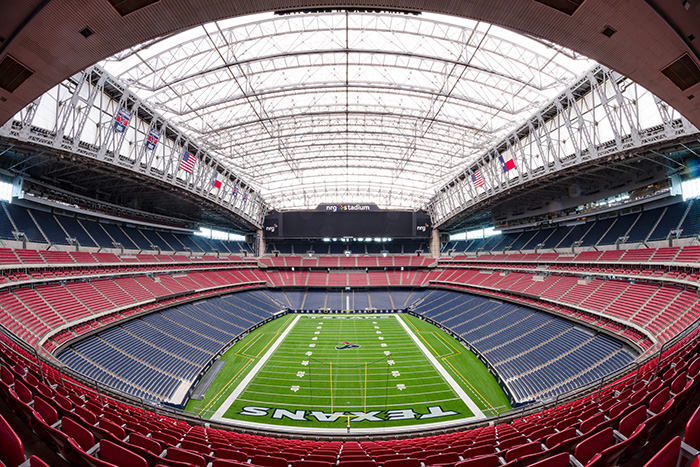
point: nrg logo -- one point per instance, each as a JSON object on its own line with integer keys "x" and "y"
{"x": 422, "y": 228}
{"x": 271, "y": 228}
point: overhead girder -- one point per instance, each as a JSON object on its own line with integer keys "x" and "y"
{"x": 78, "y": 117}
{"x": 248, "y": 41}
{"x": 601, "y": 116}
{"x": 205, "y": 82}
{"x": 250, "y": 92}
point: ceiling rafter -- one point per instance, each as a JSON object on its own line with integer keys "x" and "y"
{"x": 341, "y": 106}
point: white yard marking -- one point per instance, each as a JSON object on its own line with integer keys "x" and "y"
{"x": 248, "y": 378}
{"x": 448, "y": 377}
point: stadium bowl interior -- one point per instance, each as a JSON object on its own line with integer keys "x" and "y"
{"x": 186, "y": 188}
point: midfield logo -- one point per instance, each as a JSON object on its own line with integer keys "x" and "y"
{"x": 347, "y": 345}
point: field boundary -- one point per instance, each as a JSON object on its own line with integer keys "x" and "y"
{"x": 459, "y": 392}
{"x": 217, "y": 416}
{"x": 443, "y": 372}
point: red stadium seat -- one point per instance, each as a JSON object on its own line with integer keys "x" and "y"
{"x": 477, "y": 451}
{"x": 145, "y": 442}
{"x": 35, "y": 461}
{"x": 11, "y": 448}
{"x": 290, "y": 456}
{"x": 48, "y": 413}
{"x": 120, "y": 456}
{"x": 305, "y": 463}
{"x": 449, "y": 458}
{"x": 560, "y": 460}
{"x": 266, "y": 461}
{"x": 523, "y": 450}
{"x": 593, "y": 444}
{"x": 692, "y": 430}
{"x": 232, "y": 454}
{"x": 668, "y": 456}
{"x": 6, "y": 375}
{"x": 228, "y": 463}
{"x": 490, "y": 460}
{"x": 182, "y": 455}
{"x": 402, "y": 463}
{"x": 78, "y": 432}
{"x": 166, "y": 438}
{"x": 195, "y": 446}
{"x": 64, "y": 443}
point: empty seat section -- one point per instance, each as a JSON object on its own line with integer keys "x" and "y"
{"x": 646, "y": 222}
{"x": 52, "y": 230}
{"x": 669, "y": 221}
{"x": 21, "y": 218}
{"x": 119, "y": 236}
{"x": 75, "y": 230}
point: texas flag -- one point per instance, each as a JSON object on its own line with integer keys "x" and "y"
{"x": 506, "y": 162}
{"x": 216, "y": 183}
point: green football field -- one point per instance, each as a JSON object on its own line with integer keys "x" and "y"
{"x": 372, "y": 371}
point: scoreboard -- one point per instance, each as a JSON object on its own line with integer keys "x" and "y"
{"x": 337, "y": 221}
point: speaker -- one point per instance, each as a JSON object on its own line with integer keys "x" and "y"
{"x": 250, "y": 238}
{"x": 444, "y": 238}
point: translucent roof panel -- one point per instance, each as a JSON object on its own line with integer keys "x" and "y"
{"x": 347, "y": 107}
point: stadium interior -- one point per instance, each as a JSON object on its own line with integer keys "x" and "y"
{"x": 522, "y": 174}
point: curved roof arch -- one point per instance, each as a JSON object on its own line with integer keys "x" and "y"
{"x": 648, "y": 34}
{"x": 312, "y": 106}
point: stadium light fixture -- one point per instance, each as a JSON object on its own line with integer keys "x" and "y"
{"x": 690, "y": 189}
{"x": 5, "y": 191}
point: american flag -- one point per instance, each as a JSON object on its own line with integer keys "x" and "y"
{"x": 187, "y": 163}
{"x": 476, "y": 179}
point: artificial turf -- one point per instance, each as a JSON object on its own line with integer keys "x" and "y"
{"x": 364, "y": 366}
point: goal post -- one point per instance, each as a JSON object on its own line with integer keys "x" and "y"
{"x": 348, "y": 387}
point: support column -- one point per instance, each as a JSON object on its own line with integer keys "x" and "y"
{"x": 435, "y": 246}
{"x": 260, "y": 239}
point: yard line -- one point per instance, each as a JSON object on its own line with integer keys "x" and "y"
{"x": 448, "y": 377}
{"x": 241, "y": 386}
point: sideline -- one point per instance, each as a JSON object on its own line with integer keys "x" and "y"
{"x": 217, "y": 416}
{"x": 443, "y": 372}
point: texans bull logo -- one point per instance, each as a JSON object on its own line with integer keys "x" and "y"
{"x": 347, "y": 345}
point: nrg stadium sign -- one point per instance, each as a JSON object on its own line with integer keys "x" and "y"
{"x": 347, "y": 207}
